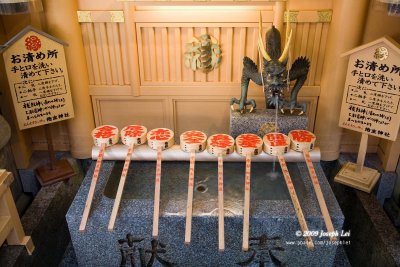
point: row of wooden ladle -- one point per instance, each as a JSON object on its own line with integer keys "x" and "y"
{"x": 219, "y": 145}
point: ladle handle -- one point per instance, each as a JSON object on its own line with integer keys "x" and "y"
{"x": 89, "y": 199}
{"x": 296, "y": 203}
{"x": 189, "y": 205}
{"x": 221, "y": 230}
{"x": 320, "y": 197}
{"x": 246, "y": 211}
{"x": 157, "y": 194}
{"x": 120, "y": 188}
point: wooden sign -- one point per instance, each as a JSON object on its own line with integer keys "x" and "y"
{"x": 371, "y": 104}
{"x": 38, "y": 78}
{"x": 371, "y": 97}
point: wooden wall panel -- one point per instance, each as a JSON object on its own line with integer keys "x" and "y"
{"x": 168, "y": 93}
{"x": 236, "y": 41}
{"x": 205, "y": 114}
{"x": 122, "y": 111}
{"x": 106, "y": 53}
{"x": 309, "y": 40}
{"x": 162, "y": 47}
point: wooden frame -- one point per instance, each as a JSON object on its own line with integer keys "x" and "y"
{"x": 10, "y": 223}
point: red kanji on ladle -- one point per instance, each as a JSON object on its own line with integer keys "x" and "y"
{"x": 194, "y": 137}
{"x": 104, "y": 132}
{"x": 134, "y": 131}
{"x": 160, "y": 134}
{"x": 221, "y": 141}
{"x": 249, "y": 141}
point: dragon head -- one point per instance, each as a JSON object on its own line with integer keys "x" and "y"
{"x": 275, "y": 72}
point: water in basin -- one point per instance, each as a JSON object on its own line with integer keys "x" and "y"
{"x": 265, "y": 184}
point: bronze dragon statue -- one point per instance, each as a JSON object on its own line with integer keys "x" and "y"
{"x": 274, "y": 77}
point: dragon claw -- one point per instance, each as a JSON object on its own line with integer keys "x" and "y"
{"x": 282, "y": 111}
{"x": 301, "y": 113}
{"x": 233, "y": 108}
{"x": 291, "y": 111}
{"x": 251, "y": 109}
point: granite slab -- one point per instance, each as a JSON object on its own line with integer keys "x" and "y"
{"x": 374, "y": 239}
{"x": 45, "y": 222}
{"x": 271, "y": 218}
{"x": 262, "y": 121}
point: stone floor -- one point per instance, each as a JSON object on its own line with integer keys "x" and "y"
{"x": 45, "y": 222}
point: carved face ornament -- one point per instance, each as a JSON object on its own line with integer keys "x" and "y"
{"x": 275, "y": 73}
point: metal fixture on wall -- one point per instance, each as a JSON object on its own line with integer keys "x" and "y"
{"x": 203, "y": 53}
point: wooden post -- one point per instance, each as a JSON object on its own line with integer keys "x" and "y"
{"x": 50, "y": 148}
{"x": 330, "y": 99}
{"x": 64, "y": 24}
{"x": 356, "y": 175}
{"x": 56, "y": 170}
{"x": 10, "y": 223}
{"x": 361, "y": 152}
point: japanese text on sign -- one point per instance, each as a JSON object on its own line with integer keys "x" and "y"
{"x": 38, "y": 79}
{"x": 371, "y": 98}
{"x": 364, "y": 97}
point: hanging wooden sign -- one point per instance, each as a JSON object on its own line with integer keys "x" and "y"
{"x": 371, "y": 103}
{"x": 38, "y": 78}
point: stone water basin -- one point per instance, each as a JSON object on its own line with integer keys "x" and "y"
{"x": 267, "y": 183}
{"x": 271, "y": 215}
